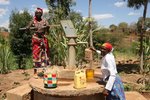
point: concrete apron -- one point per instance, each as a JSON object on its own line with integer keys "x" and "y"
{"x": 64, "y": 91}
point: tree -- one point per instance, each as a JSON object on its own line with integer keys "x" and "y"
{"x": 136, "y": 4}
{"x": 3, "y": 29}
{"x": 60, "y": 7}
{"x": 20, "y": 41}
{"x": 76, "y": 18}
{"x": 123, "y": 26}
{"x": 90, "y": 24}
{"x": 146, "y": 26}
{"x": 133, "y": 28}
{"x": 113, "y": 28}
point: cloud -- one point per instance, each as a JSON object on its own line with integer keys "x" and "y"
{"x": 4, "y": 2}
{"x": 5, "y": 24}
{"x": 133, "y": 14}
{"x": 79, "y": 11}
{"x": 119, "y": 4}
{"x": 2, "y": 12}
{"x": 103, "y": 16}
{"x": 45, "y": 10}
{"x": 34, "y": 6}
{"x": 21, "y": 11}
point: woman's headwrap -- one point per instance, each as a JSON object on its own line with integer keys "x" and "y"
{"x": 39, "y": 10}
{"x": 107, "y": 46}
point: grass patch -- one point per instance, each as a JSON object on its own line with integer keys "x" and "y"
{"x": 128, "y": 87}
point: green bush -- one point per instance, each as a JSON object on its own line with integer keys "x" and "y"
{"x": 134, "y": 47}
{"x": 147, "y": 87}
{"x": 127, "y": 87}
{"x": 147, "y": 54}
{"x": 113, "y": 38}
{"x": 6, "y": 58}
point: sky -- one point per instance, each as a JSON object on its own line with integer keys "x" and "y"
{"x": 105, "y": 12}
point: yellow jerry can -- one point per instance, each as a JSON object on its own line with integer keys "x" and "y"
{"x": 80, "y": 79}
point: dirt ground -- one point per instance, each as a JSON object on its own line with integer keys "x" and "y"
{"x": 19, "y": 77}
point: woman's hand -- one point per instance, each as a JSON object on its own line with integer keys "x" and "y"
{"x": 105, "y": 92}
{"x": 92, "y": 48}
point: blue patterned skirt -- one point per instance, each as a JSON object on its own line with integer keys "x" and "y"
{"x": 117, "y": 92}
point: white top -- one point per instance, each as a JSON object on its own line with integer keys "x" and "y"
{"x": 108, "y": 68}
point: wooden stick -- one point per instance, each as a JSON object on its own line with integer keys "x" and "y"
{"x": 33, "y": 28}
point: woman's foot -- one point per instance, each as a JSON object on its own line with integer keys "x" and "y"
{"x": 35, "y": 76}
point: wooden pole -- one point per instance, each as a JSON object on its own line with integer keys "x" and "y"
{"x": 90, "y": 23}
{"x": 90, "y": 31}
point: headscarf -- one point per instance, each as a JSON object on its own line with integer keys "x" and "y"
{"x": 39, "y": 10}
{"x": 107, "y": 46}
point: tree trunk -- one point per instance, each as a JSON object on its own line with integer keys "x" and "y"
{"x": 141, "y": 37}
{"x": 90, "y": 31}
{"x": 90, "y": 23}
{"x": 20, "y": 62}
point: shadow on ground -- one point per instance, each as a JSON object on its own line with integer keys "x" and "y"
{"x": 128, "y": 68}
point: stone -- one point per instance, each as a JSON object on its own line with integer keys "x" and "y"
{"x": 20, "y": 93}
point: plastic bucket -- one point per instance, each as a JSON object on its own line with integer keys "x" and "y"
{"x": 50, "y": 80}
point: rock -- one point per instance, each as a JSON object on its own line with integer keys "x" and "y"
{"x": 20, "y": 93}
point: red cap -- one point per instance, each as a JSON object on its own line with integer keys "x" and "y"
{"x": 107, "y": 46}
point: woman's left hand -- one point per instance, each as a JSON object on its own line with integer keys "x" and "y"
{"x": 105, "y": 92}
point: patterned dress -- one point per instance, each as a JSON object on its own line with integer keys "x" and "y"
{"x": 40, "y": 47}
{"x": 117, "y": 92}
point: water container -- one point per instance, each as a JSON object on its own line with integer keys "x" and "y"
{"x": 80, "y": 79}
{"x": 50, "y": 80}
{"x": 90, "y": 74}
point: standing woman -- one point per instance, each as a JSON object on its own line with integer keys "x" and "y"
{"x": 40, "y": 47}
{"x": 114, "y": 89}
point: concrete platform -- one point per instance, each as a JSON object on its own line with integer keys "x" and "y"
{"x": 65, "y": 90}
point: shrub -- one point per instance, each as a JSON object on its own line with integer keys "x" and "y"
{"x": 127, "y": 87}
